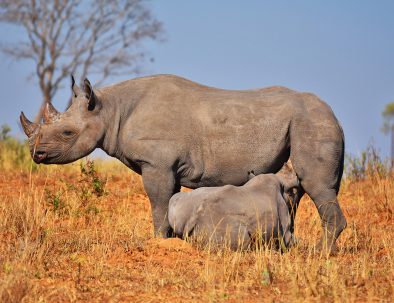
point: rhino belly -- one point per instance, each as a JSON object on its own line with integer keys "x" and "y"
{"x": 228, "y": 162}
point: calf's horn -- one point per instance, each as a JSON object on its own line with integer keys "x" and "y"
{"x": 28, "y": 126}
{"x": 50, "y": 113}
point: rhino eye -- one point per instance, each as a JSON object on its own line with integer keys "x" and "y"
{"x": 68, "y": 133}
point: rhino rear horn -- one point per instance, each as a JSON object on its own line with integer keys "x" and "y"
{"x": 50, "y": 114}
{"x": 28, "y": 126}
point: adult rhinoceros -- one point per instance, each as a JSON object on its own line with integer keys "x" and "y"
{"x": 175, "y": 133}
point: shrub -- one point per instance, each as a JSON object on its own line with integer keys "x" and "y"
{"x": 86, "y": 190}
{"x": 13, "y": 153}
{"x": 369, "y": 164}
{"x": 90, "y": 178}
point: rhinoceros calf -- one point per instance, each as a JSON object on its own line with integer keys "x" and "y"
{"x": 237, "y": 216}
{"x": 175, "y": 132}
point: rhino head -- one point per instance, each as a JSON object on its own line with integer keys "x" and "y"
{"x": 66, "y": 137}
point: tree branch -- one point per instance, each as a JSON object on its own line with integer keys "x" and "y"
{"x": 76, "y": 36}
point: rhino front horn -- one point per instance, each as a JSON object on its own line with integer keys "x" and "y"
{"x": 50, "y": 114}
{"x": 28, "y": 126}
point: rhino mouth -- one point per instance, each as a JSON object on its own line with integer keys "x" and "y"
{"x": 40, "y": 156}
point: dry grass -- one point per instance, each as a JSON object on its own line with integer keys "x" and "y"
{"x": 62, "y": 242}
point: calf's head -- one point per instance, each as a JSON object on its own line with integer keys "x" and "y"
{"x": 66, "y": 137}
{"x": 291, "y": 185}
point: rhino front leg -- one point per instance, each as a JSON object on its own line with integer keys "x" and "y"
{"x": 160, "y": 185}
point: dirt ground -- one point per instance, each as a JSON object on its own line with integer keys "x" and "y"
{"x": 68, "y": 235}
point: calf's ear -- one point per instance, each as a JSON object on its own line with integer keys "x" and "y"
{"x": 93, "y": 101}
{"x": 289, "y": 183}
{"x": 251, "y": 175}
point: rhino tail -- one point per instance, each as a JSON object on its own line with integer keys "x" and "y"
{"x": 342, "y": 161}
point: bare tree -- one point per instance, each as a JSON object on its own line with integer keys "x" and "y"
{"x": 65, "y": 37}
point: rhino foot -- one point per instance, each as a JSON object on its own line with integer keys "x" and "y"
{"x": 327, "y": 247}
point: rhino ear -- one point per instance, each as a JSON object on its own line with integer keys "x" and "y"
{"x": 75, "y": 88}
{"x": 93, "y": 101}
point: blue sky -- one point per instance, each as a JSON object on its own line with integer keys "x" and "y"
{"x": 343, "y": 51}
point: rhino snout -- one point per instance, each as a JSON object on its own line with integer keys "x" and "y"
{"x": 39, "y": 156}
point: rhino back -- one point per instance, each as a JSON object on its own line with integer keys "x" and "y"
{"x": 213, "y": 135}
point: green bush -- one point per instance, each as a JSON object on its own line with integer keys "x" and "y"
{"x": 87, "y": 190}
{"x": 14, "y": 153}
{"x": 368, "y": 164}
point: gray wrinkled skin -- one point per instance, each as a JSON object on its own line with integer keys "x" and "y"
{"x": 239, "y": 217}
{"x": 176, "y": 132}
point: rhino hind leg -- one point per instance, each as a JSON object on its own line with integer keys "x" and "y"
{"x": 333, "y": 222}
{"x": 326, "y": 202}
{"x": 319, "y": 167}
